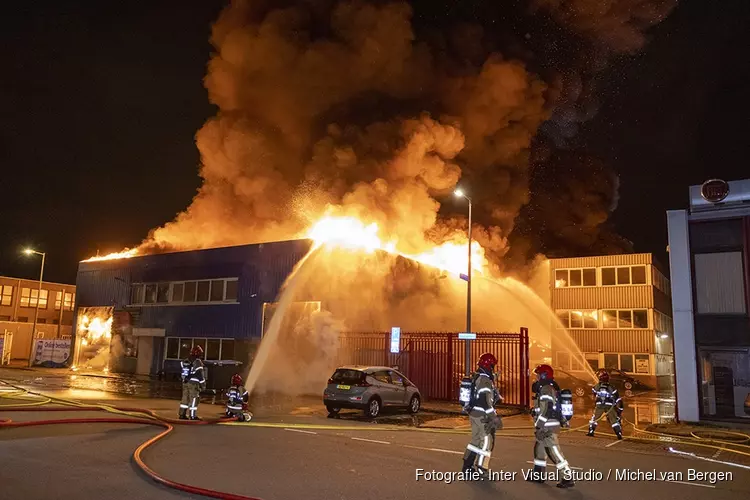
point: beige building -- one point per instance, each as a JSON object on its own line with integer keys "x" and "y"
{"x": 18, "y": 302}
{"x": 617, "y": 309}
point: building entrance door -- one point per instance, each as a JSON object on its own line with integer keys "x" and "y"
{"x": 724, "y": 391}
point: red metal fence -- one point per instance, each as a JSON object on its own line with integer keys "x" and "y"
{"x": 435, "y": 361}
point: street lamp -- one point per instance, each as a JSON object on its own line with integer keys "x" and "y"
{"x": 30, "y": 251}
{"x": 467, "y": 352}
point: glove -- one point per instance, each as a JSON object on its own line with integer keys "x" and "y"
{"x": 497, "y": 422}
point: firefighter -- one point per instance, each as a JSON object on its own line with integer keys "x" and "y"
{"x": 184, "y": 376}
{"x": 608, "y": 402}
{"x": 547, "y": 422}
{"x": 237, "y": 398}
{"x": 482, "y": 415}
{"x": 196, "y": 381}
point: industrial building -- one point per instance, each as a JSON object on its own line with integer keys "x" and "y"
{"x": 162, "y": 305}
{"x": 19, "y": 299}
{"x": 617, "y": 309}
{"x": 709, "y": 254}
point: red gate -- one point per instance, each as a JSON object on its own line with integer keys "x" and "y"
{"x": 435, "y": 361}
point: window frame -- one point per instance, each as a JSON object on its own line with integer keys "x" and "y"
{"x": 39, "y": 293}
{"x": 203, "y": 342}
{"x": 3, "y": 295}
{"x": 138, "y": 291}
{"x": 632, "y": 320}
{"x": 585, "y": 313}
{"x": 630, "y": 275}
{"x": 582, "y": 270}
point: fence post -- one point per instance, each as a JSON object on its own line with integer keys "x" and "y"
{"x": 525, "y": 372}
{"x": 449, "y": 389}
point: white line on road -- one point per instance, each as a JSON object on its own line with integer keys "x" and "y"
{"x": 552, "y": 465}
{"x": 299, "y": 430}
{"x": 689, "y": 484}
{"x": 612, "y": 444}
{"x": 440, "y": 450}
{"x": 370, "y": 440}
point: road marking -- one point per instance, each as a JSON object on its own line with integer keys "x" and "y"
{"x": 299, "y": 430}
{"x": 370, "y": 440}
{"x": 690, "y": 484}
{"x": 454, "y": 452}
{"x": 552, "y": 465}
{"x": 612, "y": 444}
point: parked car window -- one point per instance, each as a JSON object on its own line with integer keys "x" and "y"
{"x": 397, "y": 379}
{"x": 343, "y": 376}
{"x": 382, "y": 376}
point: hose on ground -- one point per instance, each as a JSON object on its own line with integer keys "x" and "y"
{"x": 136, "y": 416}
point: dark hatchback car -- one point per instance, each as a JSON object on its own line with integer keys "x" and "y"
{"x": 622, "y": 380}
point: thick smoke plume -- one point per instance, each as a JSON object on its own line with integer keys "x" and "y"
{"x": 381, "y": 108}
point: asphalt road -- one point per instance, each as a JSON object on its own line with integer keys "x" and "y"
{"x": 93, "y": 461}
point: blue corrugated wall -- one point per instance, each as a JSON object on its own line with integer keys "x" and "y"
{"x": 261, "y": 270}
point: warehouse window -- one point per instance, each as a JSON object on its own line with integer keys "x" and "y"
{"x": 136, "y": 294}
{"x": 150, "y": 297}
{"x": 6, "y": 297}
{"x": 217, "y": 290}
{"x": 231, "y": 291}
{"x": 190, "y": 289}
{"x": 203, "y": 291}
{"x": 178, "y": 291}
{"x": 575, "y": 277}
{"x": 626, "y": 363}
{"x": 29, "y": 297}
{"x": 162, "y": 293}
{"x": 719, "y": 283}
{"x": 213, "y": 349}
{"x": 578, "y": 319}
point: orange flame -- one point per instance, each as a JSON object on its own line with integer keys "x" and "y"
{"x": 125, "y": 254}
{"x": 350, "y": 232}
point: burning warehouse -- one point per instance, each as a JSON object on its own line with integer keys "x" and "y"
{"x": 142, "y": 314}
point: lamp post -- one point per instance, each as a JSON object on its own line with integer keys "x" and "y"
{"x": 467, "y": 351}
{"x": 30, "y": 251}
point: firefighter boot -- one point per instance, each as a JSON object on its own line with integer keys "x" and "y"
{"x": 537, "y": 475}
{"x": 566, "y": 481}
{"x": 469, "y": 459}
{"x": 618, "y": 431}
{"x": 592, "y": 428}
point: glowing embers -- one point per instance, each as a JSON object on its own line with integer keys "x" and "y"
{"x": 94, "y": 330}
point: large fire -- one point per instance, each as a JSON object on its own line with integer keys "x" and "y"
{"x": 350, "y": 232}
{"x": 125, "y": 254}
{"x": 94, "y": 330}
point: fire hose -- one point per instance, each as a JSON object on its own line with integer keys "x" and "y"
{"x": 136, "y": 416}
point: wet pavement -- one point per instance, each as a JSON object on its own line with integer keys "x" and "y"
{"x": 641, "y": 408}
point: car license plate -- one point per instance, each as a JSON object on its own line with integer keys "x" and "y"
{"x": 345, "y": 387}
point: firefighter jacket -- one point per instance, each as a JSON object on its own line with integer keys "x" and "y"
{"x": 607, "y": 397}
{"x": 237, "y": 397}
{"x": 197, "y": 372}
{"x": 546, "y": 414}
{"x": 185, "y": 365}
{"x": 483, "y": 398}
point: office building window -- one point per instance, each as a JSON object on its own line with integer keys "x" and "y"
{"x": 626, "y": 363}
{"x": 575, "y": 277}
{"x": 190, "y": 290}
{"x": 624, "y": 275}
{"x": 4, "y": 317}
{"x": 578, "y": 319}
{"x": 625, "y": 318}
{"x": 173, "y": 348}
{"x": 66, "y": 302}
{"x": 612, "y": 361}
{"x": 150, "y": 297}
{"x": 6, "y": 295}
{"x": 719, "y": 283}
{"x": 213, "y": 348}
{"x": 23, "y": 319}
{"x": 29, "y": 297}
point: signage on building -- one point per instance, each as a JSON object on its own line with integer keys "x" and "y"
{"x": 714, "y": 190}
{"x": 51, "y": 353}
{"x": 641, "y": 365}
{"x": 395, "y": 339}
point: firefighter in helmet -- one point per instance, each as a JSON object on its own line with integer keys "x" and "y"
{"x": 608, "y": 402}
{"x": 237, "y": 398}
{"x": 547, "y": 422}
{"x": 482, "y": 415}
{"x": 196, "y": 382}
{"x": 184, "y": 376}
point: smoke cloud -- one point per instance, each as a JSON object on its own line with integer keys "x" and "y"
{"x": 380, "y": 109}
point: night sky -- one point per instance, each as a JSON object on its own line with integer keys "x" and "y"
{"x": 100, "y": 106}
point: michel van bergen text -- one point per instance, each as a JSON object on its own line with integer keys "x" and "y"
{"x": 577, "y": 475}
